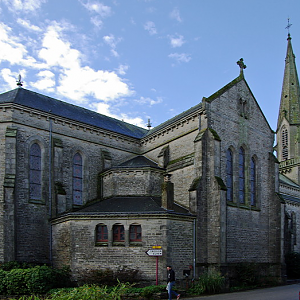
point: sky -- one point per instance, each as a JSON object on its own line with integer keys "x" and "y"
{"x": 136, "y": 60}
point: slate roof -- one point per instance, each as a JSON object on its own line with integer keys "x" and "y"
{"x": 129, "y": 205}
{"x": 138, "y": 162}
{"x": 284, "y": 179}
{"x": 290, "y": 198}
{"x": 63, "y": 109}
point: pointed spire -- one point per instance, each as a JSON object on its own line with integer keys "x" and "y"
{"x": 290, "y": 95}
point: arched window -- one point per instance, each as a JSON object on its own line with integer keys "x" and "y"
{"x": 229, "y": 175}
{"x": 35, "y": 172}
{"x": 242, "y": 175}
{"x": 77, "y": 179}
{"x": 101, "y": 233}
{"x": 284, "y": 141}
{"x": 253, "y": 182}
{"x": 118, "y": 233}
{"x": 135, "y": 233}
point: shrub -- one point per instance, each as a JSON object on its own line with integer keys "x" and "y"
{"x": 10, "y": 265}
{"x": 148, "y": 291}
{"x": 40, "y": 279}
{"x": 15, "y": 282}
{"x": 2, "y": 282}
{"x": 91, "y": 292}
{"x": 209, "y": 282}
{"x": 292, "y": 261}
{"x": 37, "y": 280}
{"x": 248, "y": 274}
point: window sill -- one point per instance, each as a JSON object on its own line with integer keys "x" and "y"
{"x": 101, "y": 244}
{"x": 135, "y": 244}
{"x": 34, "y": 201}
{"x": 118, "y": 244}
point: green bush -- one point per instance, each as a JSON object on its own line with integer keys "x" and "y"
{"x": 210, "y": 282}
{"x": 292, "y": 261}
{"x": 40, "y": 279}
{"x": 15, "y": 282}
{"x": 248, "y": 274}
{"x": 91, "y": 292}
{"x": 148, "y": 291}
{"x": 10, "y": 265}
{"x": 37, "y": 280}
{"x": 2, "y": 282}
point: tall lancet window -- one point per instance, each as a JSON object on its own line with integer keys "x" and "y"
{"x": 77, "y": 179}
{"x": 35, "y": 172}
{"x": 253, "y": 182}
{"x": 229, "y": 175}
{"x": 284, "y": 141}
{"x": 242, "y": 175}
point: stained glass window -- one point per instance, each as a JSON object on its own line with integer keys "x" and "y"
{"x": 35, "y": 172}
{"x": 229, "y": 175}
{"x": 242, "y": 175}
{"x": 77, "y": 179}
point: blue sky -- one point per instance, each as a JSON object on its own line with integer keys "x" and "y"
{"x": 140, "y": 59}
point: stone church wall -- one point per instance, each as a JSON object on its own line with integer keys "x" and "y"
{"x": 238, "y": 121}
{"x": 32, "y": 228}
{"x": 85, "y": 255}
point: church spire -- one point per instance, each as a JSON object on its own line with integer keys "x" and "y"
{"x": 290, "y": 94}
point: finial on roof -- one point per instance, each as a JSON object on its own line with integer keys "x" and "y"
{"x": 19, "y": 81}
{"x": 149, "y": 124}
{"x": 288, "y": 28}
{"x": 241, "y": 65}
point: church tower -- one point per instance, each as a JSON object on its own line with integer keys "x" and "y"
{"x": 288, "y": 125}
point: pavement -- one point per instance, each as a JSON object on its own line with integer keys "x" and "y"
{"x": 286, "y": 292}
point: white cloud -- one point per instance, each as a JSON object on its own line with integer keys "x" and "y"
{"x": 23, "y": 6}
{"x": 150, "y": 27}
{"x": 112, "y": 42}
{"x": 46, "y": 81}
{"x": 103, "y": 108}
{"x": 149, "y": 101}
{"x": 14, "y": 51}
{"x": 96, "y": 21}
{"x": 180, "y": 57}
{"x": 177, "y": 41}
{"x": 97, "y": 7}
{"x": 77, "y": 83}
{"x": 26, "y": 24}
{"x": 58, "y": 52}
{"x": 122, "y": 69}
{"x": 9, "y": 77}
{"x": 175, "y": 14}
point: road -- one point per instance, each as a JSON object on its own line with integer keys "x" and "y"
{"x": 286, "y": 292}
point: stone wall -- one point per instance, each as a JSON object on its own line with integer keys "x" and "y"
{"x": 173, "y": 234}
{"x": 28, "y": 238}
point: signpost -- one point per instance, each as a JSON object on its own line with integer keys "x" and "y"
{"x": 155, "y": 251}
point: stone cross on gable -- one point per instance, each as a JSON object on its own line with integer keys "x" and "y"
{"x": 241, "y": 65}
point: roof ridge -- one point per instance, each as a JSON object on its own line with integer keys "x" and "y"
{"x": 71, "y": 111}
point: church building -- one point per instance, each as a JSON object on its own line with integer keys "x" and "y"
{"x": 202, "y": 190}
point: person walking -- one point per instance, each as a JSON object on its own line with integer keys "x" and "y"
{"x": 171, "y": 282}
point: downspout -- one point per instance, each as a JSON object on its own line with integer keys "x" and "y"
{"x": 194, "y": 250}
{"x": 50, "y": 190}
